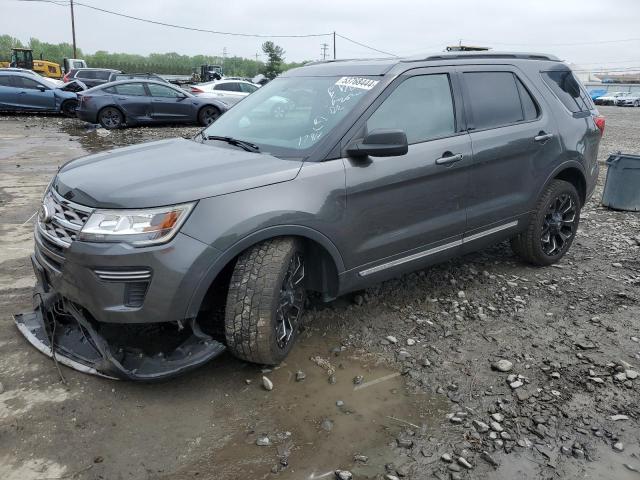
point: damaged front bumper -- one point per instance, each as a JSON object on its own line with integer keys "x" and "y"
{"x": 147, "y": 352}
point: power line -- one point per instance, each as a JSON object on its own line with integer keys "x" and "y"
{"x": 366, "y": 46}
{"x": 183, "y": 27}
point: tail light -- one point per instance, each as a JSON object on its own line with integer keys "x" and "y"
{"x": 600, "y": 122}
{"x": 196, "y": 90}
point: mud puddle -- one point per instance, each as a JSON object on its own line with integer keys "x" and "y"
{"x": 315, "y": 427}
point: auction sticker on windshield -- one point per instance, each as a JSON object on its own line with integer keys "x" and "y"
{"x": 357, "y": 82}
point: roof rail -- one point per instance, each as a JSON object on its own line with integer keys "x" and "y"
{"x": 466, "y": 55}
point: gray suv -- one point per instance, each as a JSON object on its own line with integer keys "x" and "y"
{"x": 153, "y": 259}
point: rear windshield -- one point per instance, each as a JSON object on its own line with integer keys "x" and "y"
{"x": 568, "y": 90}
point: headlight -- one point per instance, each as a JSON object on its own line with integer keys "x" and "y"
{"x": 136, "y": 227}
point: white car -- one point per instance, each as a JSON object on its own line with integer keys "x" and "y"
{"x": 229, "y": 91}
{"x": 630, "y": 99}
{"x": 610, "y": 98}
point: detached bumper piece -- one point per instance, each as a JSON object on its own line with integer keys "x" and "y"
{"x": 119, "y": 351}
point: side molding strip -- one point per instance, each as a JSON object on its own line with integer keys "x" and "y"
{"x": 441, "y": 248}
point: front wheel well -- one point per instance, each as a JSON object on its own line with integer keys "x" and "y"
{"x": 576, "y": 178}
{"x": 321, "y": 276}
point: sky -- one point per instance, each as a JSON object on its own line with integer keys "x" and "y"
{"x": 566, "y": 28}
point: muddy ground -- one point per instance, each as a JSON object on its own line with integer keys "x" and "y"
{"x": 429, "y": 405}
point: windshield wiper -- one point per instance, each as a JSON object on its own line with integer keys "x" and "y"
{"x": 249, "y": 147}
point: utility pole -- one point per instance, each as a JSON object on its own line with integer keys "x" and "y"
{"x": 325, "y": 46}
{"x": 334, "y": 45}
{"x": 73, "y": 31}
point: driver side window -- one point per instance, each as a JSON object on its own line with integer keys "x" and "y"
{"x": 421, "y": 106}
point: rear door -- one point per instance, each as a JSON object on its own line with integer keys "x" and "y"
{"x": 7, "y": 93}
{"x": 514, "y": 140}
{"x": 229, "y": 92}
{"x": 33, "y": 95}
{"x": 169, "y": 104}
{"x": 409, "y": 210}
{"x": 133, "y": 99}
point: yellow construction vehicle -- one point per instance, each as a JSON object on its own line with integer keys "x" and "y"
{"x": 23, "y": 58}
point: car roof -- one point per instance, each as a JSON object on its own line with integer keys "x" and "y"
{"x": 381, "y": 66}
{"x": 98, "y": 69}
{"x": 138, "y": 80}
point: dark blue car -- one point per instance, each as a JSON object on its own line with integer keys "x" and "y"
{"x": 24, "y": 92}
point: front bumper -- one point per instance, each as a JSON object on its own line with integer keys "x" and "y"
{"x": 100, "y": 315}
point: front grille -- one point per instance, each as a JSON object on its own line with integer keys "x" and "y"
{"x": 64, "y": 222}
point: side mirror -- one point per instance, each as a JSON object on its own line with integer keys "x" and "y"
{"x": 380, "y": 143}
{"x": 42, "y": 88}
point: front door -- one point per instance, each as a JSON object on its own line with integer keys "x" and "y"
{"x": 169, "y": 104}
{"x": 407, "y": 211}
{"x": 514, "y": 141}
{"x": 134, "y": 101}
{"x": 33, "y": 95}
{"x": 7, "y": 93}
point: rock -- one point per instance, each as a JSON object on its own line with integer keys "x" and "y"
{"x": 445, "y": 457}
{"x": 388, "y": 476}
{"x": 555, "y": 375}
{"x": 426, "y": 362}
{"x": 620, "y": 377}
{"x": 505, "y": 436}
{"x": 489, "y": 459}
{"x": 411, "y": 342}
{"x": 616, "y": 265}
{"x": 516, "y": 384}
{"x": 392, "y": 339}
{"x": 617, "y": 418}
{"x": 496, "y": 427}
{"x": 463, "y": 461}
{"x": 358, "y": 379}
{"x": 596, "y": 380}
{"x": 300, "y": 376}
{"x": 454, "y": 467}
{"x": 461, "y": 294}
{"x": 263, "y": 441}
{"x": 343, "y": 474}
{"x": 1, "y": 388}
{"x": 618, "y": 446}
{"x": 585, "y": 345}
{"x": 360, "y": 458}
{"x": 498, "y": 417}
{"x": 267, "y": 384}
{"x": 631, "y": 375}
{"x": 327, "y": 425}
{"x": 404, "y": 442}
{"x": 339, "y": 403}
{"x": 332, "y": 380}
{"x": 502, "y": 365}
{"x": 480, "y": 427}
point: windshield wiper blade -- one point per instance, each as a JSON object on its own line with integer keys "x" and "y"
{"x": 249, "y": 147}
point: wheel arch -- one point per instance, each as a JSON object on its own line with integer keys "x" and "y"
{"x": 112, "y": 105}
{"x": 324, "y": 262}
{"x": 571, "y": 172}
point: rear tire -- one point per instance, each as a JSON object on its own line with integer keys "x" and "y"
{"x": 68, "y": 108}
{"x": 552, "y": 227}
{"x": 265, "y": 301}
{"x": 110, "y": 118}
{"x": 208, "y": 114}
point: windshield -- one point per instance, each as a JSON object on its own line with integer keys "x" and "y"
{"x": 288, "y": 116}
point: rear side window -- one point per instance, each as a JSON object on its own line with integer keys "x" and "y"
{"x": 568, "y": 90}
{"x": 421, "y": 106}
{"x": 529, "y": 106}
{"x": 133, "y": 89}
{"x": 227, "y": 87}
{"x": 494, "y": 98}
{"x": 247, "y": 88}
{"x": 90, "y": 74}
{"x": 103, "y": 75}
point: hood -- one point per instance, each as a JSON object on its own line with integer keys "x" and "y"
{"x": 167, "y": 172}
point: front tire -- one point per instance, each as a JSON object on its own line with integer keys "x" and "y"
{"x": 265, "y": 301}
{"x": 552, "y": 226}
{"x": 208, "y": 114}
{"x": 68, "y": 108}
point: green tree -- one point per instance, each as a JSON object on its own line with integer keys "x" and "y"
{"x": 7, "y": 42}
{"x": 275, "y": 64}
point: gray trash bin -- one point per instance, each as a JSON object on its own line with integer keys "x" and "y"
{"x": 622, "y": 187}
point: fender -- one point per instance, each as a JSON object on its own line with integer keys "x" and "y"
{"x": 563, "y": 166}
{"x": 256, "y": 237}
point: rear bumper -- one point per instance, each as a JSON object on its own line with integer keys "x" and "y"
{"x": 87, "y": 115}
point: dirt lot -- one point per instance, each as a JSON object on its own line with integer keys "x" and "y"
{"x": 429, "y": 404}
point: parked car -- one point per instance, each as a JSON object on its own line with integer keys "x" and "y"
{"x": 114, "y": 77}
{"x": 389, "y": 166}
{"x": 51, "y": 81}
{"x": 596, "y": 93}
{"x": 127, "y": 103}
{"x": 610, "y": 98}
{"x": 25, "y": 91}
{"x": 231, "y": 91}
{"x": 91, "y": 77}
{"x": 630, "y": 99}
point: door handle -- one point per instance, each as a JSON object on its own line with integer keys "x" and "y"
{"x": 122, "y": 98}
{"x": 22, "y": 93}
{"x": 543, "y": 137}
{"x": 449, "y": 159}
